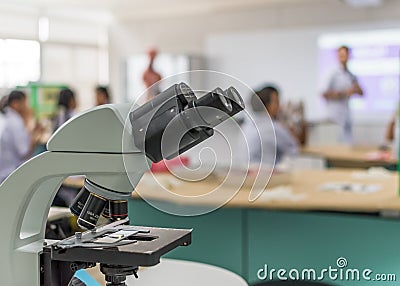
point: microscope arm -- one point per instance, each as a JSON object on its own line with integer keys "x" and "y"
{"x": 30, "y": 191}
{"x": 26, "y": 195}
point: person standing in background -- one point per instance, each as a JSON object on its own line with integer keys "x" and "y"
{"x": 150, "y": 76}
{"x": 16, "y": 141}
{"x": 66, "y": 107}
{"x": 102, "y": 95}
{"x": 342, "y": 85}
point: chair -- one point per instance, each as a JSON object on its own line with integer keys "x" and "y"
{"x": 172, "y": 272}
{"x": 58, "y": 225}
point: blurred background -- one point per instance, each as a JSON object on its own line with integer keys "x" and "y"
{"x": 292, "y": 43}
{"x": 61, "y": 57}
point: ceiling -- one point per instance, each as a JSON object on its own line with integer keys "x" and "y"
{"x": 146, "y": 9}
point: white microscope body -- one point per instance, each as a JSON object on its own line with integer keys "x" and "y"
{"x": 90, "y": 144}
{"x": 26, "y": 196}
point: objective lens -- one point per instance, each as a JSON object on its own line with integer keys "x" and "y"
{"x": 216, "y": 99}
{"x": 78, "y": 203}
{"x": 118, "y": 209}
{"x": 106, "y": 211}
{"x": 91, "y": 211}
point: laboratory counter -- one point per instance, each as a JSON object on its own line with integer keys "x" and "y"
{"x": 328, "y": 190}
{"x": 347, "y": 156}
{"x": 347, "y": 190}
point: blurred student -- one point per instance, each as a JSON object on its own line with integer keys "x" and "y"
{"x": 65, "y": 108}
{"x": 292, "y": 116}
{"x": 102, "y": 95}
{"x": 392, "y": 134}
{"x": 267, "y": 99}
{"x": 16, "y": 141}
{"x": 396, "y": 141}
{"x": 390, "y": 130}
{"x": 341, "y": 86}
{"x": 3, "y": 104}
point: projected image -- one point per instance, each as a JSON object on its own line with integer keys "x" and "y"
{"x": 374, "y": 60}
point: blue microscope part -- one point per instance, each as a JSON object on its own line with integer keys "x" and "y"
{"x": 86, "y": 278}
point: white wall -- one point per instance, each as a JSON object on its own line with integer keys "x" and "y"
{"x": 18, "y": 26}
{"x": 269, "y": 44}
{"x": 287, "y": 58}
{"x": 123, "y": 43}
{"x": 189, "y": 33}
{"x": 76, "y": 54}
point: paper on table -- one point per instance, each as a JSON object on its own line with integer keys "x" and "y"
{"x": 350, "y": 187}
{"x": 281, "y": 193}
{"x": 372, "y": 173}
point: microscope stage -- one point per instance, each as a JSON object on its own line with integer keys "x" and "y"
{"x": 120, "y": 244}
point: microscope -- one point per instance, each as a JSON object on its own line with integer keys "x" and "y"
{"x": 112, "y": 146}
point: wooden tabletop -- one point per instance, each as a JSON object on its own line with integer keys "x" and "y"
{"x": 347, "y": 156}
{"x": 301, "y": 192}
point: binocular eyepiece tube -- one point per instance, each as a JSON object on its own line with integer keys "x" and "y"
{"x": 178, "y": 109}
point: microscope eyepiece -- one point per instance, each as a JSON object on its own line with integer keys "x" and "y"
{"x": 225, "y": 101}
{"x": 191, "y": 120}
{"x": 213, "y": 108}
{"x": 236, "y": 99}
{"x": 216, "y": 99}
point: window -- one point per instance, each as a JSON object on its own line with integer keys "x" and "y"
{"x": 19, "y": 62}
